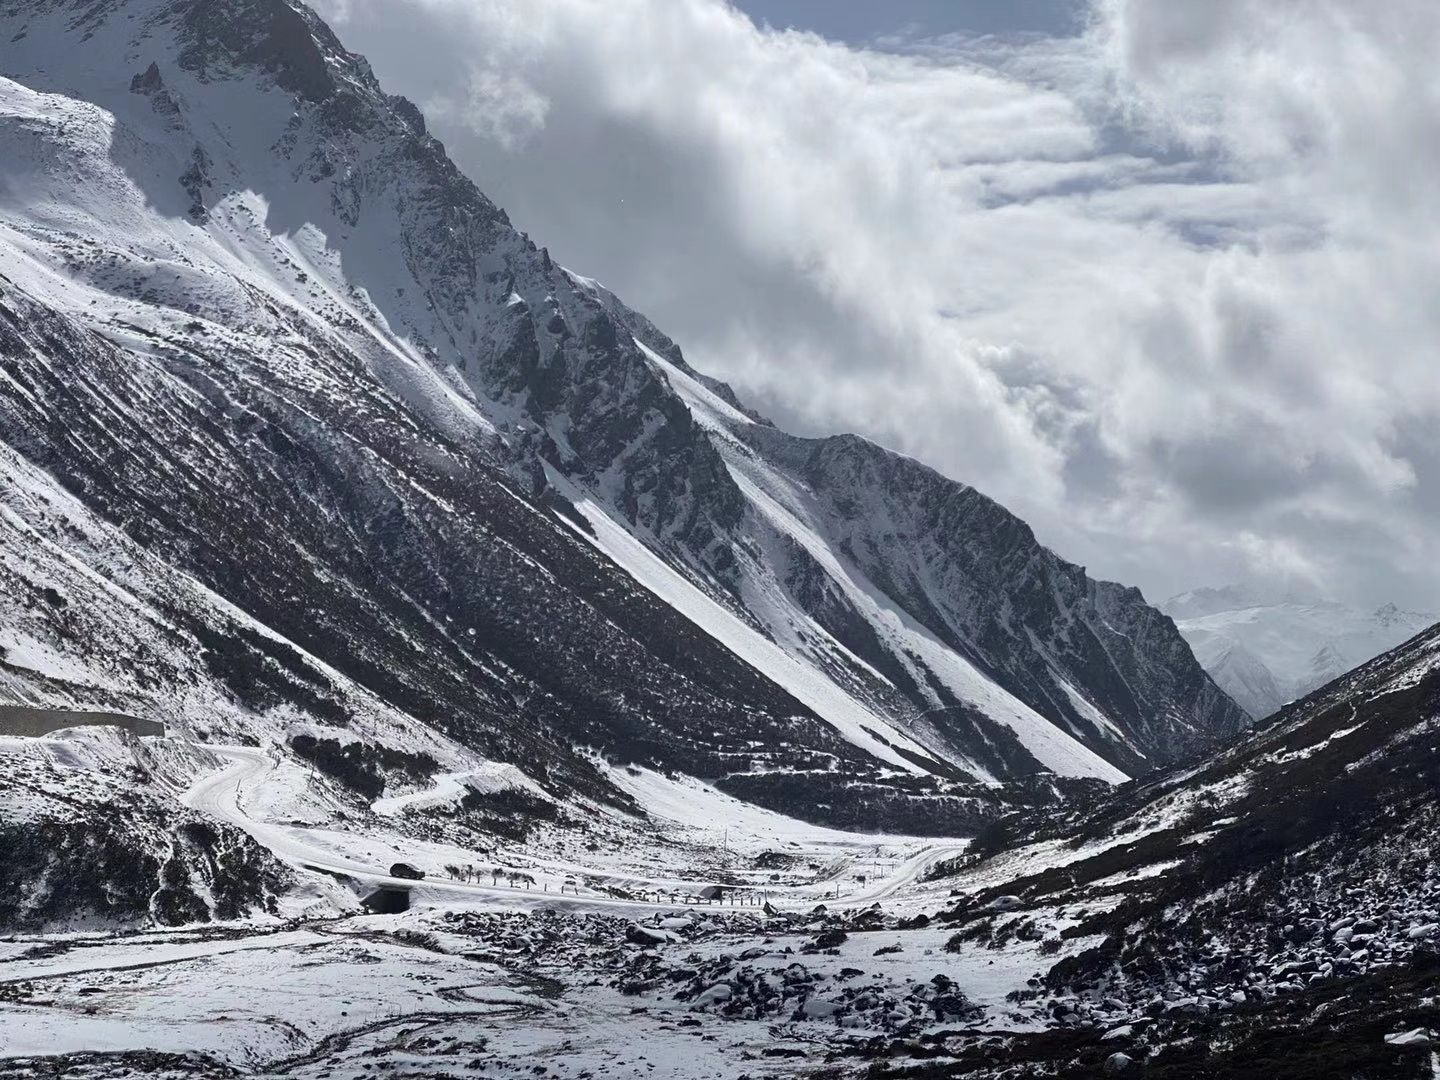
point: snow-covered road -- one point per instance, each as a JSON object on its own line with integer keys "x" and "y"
{"x": 223, "y": 795}
{"x": 907, "y": 874}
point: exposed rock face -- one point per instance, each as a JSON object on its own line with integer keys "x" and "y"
{"x": 148, "y": 81}
{"x": 359, "y": 447}
{"x": 422, "y": 524}
{"x": 975, "y": 578}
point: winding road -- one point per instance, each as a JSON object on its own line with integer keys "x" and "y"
{"x": 222, "y": 795}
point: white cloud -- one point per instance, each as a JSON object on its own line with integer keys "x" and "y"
{"x": 1169, "y": 290}
{"x": 495, "y": 106}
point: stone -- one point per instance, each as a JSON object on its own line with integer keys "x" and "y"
{"x": 1119, "y": 1064}
{"x": 1415, "y": 1037}
{"x": 713, "y": 995}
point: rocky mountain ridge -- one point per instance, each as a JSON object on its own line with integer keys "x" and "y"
{"x": 1274, "y": 909}
{"x": 371, "y": 460}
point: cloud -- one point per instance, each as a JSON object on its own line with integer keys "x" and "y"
{"x": 495, "y": 106}
{"x": 1168, "y": 288}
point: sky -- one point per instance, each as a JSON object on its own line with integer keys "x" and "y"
{"x": 1163, "y": 278}
{"x": 861, "y": 22}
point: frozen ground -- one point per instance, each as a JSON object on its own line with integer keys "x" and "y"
{"x": 693, "y": 836}
{"x": 480, "y": 991}
{"x": 589, "y": 948}
{"x": 608, "y": 967}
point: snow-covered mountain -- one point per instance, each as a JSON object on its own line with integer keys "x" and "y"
{"x": 1266, "y": 650}
{"x": 301, "y": 439}
{"x": 692, "y": 747}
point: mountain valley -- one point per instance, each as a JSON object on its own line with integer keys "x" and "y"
{"x": 533, "y": 705}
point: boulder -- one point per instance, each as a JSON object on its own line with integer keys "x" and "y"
{"x": 819, "y": 1008}
{"x": 712, "y": 995}
{"x": 645, "y": 935}
{"x": 1119, "y": 1064}
{"x": 1415, "y": 1037}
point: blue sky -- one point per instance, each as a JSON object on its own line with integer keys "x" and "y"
{"x": 858, "y": 21}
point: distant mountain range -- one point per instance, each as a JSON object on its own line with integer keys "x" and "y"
{"x": 1265, "y": 650}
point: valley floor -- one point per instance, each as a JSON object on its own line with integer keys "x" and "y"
{"x": 694, "y": 837}
{"x": 565, "y": 956}
{"x": 472, "y": 991}
{"x": 594, "y": 953}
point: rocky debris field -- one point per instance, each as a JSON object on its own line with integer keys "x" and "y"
{"x": 783, "y": 968}
{"x": 1275, "y": 912}
{"x": 823, "y": 993}
{"x": 465, "y": 992}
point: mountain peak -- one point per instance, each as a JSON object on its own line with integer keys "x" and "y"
{"x": 289, "y": 41}
{"x": 1391, "y": 614}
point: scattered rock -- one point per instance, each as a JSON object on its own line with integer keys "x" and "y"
{"x": 645, "y": 935}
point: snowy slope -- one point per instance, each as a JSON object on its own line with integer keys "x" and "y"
{"x": 503, "y": 518}
{"x": 1266, "y": 651}
{"x": 1277, "y": 904}
{"x": 785, "y": 510}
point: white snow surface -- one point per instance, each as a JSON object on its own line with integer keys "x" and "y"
{"x": 451, "y": 787}
{"x": 850, "y": 717}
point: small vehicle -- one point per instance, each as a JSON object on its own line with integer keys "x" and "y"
{"x": 405, "y": 870}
